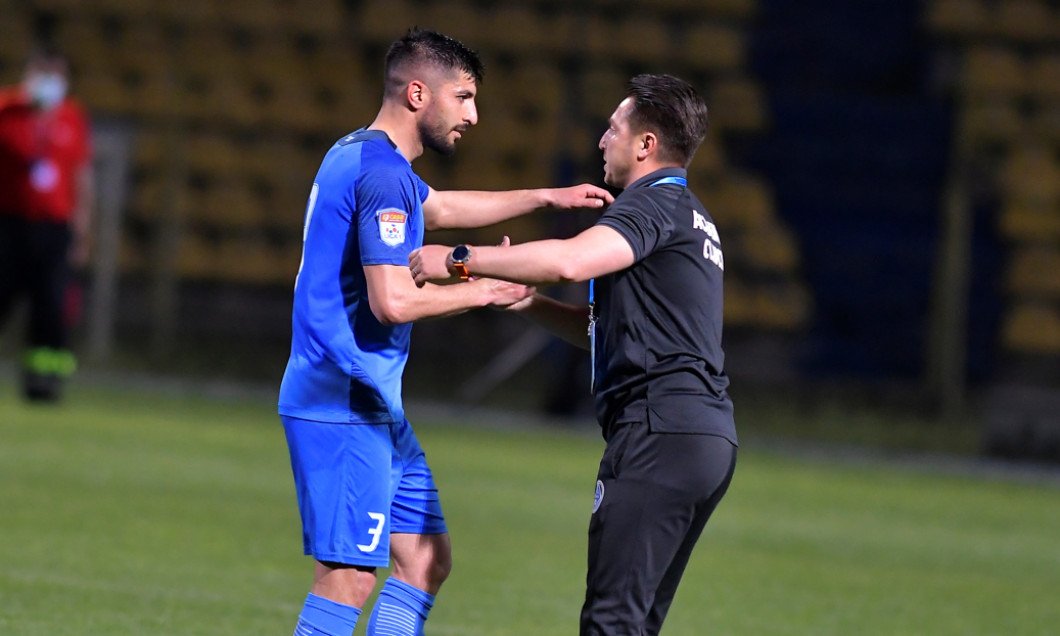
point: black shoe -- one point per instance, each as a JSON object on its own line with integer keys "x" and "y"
{"x": 39, "y": 387}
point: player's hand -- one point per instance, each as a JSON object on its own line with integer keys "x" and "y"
{"x": 585, "y": 195}
{"x": 506, "y": 295}
{"x": 430, "y": 263}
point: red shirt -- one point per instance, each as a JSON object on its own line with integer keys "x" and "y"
{"x": 41, "y": 155}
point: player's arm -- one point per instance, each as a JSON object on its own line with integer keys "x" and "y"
{"x": 567, "y": 321}
{"x": 597, "y": 251}
{"x": 395, "y": 298}
{"x": 451, "y": 209}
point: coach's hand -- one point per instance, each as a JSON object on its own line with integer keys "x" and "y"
{"x": 430, "y": 263}
{"x": 585, "y": 195}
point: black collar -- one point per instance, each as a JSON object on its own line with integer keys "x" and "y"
{"x": 662, "y": 173}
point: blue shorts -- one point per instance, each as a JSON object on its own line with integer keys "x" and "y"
{"x": 357, "y": 484}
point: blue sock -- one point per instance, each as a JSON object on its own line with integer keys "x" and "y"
{"x": 323, "y": 617}
{"x": 400, "y": 610}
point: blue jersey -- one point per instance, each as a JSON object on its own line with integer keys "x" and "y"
{"x": 365, "y": 208}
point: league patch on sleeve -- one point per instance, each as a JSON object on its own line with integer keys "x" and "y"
{"x": 392, "y": 226}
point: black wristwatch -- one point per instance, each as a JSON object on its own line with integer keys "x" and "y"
{"x": 460, "y": 256}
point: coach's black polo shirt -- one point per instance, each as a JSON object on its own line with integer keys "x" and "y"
{"x": 658, "y": 357}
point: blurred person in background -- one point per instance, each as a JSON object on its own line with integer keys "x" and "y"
{"x": 45, "y": 211}
{"x": 365, "y": 492}
{"x": 653, "y": 326}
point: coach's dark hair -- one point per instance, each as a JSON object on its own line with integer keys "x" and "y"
{"x": 421, "y": 46}
{"x": 669, "y": 107}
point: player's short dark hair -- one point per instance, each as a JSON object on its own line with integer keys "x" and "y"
{"x": 672, "y": 109}
{"x": 420, "y": 46}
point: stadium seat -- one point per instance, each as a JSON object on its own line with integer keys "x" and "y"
{"x": 738, "y": 104}
{"x": 1030, "y": 221}
{"x": 992, "y": 119}
{"x": 1044, "y": 124}
{"x": 714, "y": 47}
{"x": 1043, "y": 78}
{"x": 1034, "y": 271}
{"x": 457, "y": 18}
{"x": 965, "y": 19}
{"x": 514, "y": 27}
{"x": 740, "y": 201}
{"x": 990, "y": 70}
{"x": 602, "y": 88}
{"x": 642, "y": 39}
{"x": 1032, "y": 173}
{"x": 320, "y": 18}
{"x": 1028, "y": 21}
{"x": 16, "y": 38}
{"x": 381, "y": 21}
{"x": 1032, "y": 328}
{"x": 771, "y": 248}
{"x": 213, "y": 153}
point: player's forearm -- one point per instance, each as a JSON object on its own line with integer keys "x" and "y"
{"x": 430, "y": 301}
{"x": 569, "y": 322}
{"x": 455, "y": 209}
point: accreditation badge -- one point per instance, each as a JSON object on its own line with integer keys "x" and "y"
{"x": 44, "y": 175}
{"x": 392, "y": 226}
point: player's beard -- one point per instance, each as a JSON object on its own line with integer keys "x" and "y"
{"x": 434, "y": 133}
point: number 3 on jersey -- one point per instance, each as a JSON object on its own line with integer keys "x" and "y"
{"x": 375, "y": 532}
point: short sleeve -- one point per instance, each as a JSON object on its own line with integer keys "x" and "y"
{"x": 638, "y": 224}
{"x": 388, "y": 204}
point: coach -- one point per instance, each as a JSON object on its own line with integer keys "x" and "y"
{"x": 654, "y": 325}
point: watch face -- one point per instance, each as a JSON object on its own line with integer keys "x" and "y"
{"x": 460, "y": 253}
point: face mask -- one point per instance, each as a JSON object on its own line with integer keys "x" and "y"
{"x": 46, "y": 90}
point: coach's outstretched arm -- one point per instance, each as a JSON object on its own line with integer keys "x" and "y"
{"x": 452, "y": 209}
{"x": 597, "y": 251}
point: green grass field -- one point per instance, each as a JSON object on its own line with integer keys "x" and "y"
{"x": 129, "y": 512}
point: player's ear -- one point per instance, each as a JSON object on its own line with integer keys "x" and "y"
{"x": 418, "y": 94}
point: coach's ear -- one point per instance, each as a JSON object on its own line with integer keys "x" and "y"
{"x": 418, "y": 94}
{"x": 649, "y": 145}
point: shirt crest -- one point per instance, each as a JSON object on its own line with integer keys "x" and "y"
{"x": 392, "y": 226}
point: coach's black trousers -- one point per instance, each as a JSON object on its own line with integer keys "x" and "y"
{"x": 656, "y": 492}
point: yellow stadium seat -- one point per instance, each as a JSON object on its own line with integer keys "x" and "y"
{"x": 1026, "y": 21}
{"x": 213, "y": 153}
{"x": 1034, "y": 271}
{"x": 226, "y": 205}
{"x": 383, "y": 21}
{"x": 739, "y": 104}
{"x": 513, "y": 27}
{"x": 710, "y": 158}
{"x": 1045, "y": 123}
{"x": 602, "y": 88}
{"x": 456, "y": 18}
{"x": 323, "y": 18}
{"x": 715, "y": 47}
{"x": 740, "y": 201}
{"x": 1043, "y": 78}
{"x": 1032, "y": 173}
{"x": 959, "y": 18}
{"x": 771, "y": 248}
{"x": 992, "y": 70}
{"x": 16, "y": 38}
{"x": 993, "y": 119}
{"x": 1032, "y": 328}
{"x": 1030, "y": 221}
